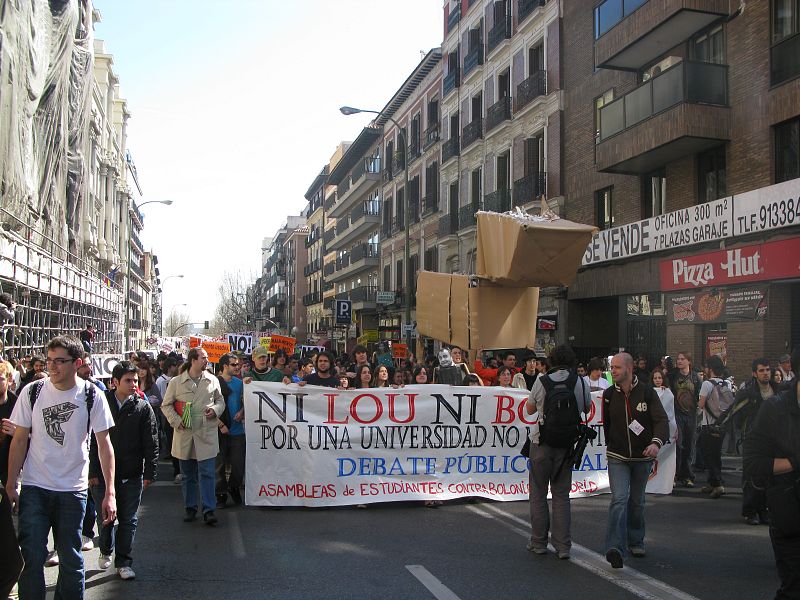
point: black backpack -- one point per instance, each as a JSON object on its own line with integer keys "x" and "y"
{"x": 88, "y": 394}
{"x": 560, "y": 417}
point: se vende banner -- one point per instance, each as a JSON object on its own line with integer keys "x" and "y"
{"x": 311, "y": 446}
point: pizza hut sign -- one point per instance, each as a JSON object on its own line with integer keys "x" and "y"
{"x": 758, "y": 262}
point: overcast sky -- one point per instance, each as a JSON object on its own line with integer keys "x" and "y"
{"x": 235, "y": 110}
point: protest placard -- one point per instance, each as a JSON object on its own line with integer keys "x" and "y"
{"x": 103, "y": 364}
{"x": 280, "y": 342}
{"x": 215, "y": 350}
{"x": 265, "y": 342}
{"x": 314, "y": 446}
{"x": 399, "y": 350}
{"x": 194, "y": 342}
{"x": 241, "y": 343}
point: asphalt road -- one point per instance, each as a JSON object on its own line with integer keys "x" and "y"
{"x": 697, "y": 548}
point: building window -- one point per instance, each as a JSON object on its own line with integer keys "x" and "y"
{"x": 654, "y": 194}
{"x": 785, "y": 50}
{"x": 399, "y": 275}
{"x": 604, "y": 207}
{"x": 599, "y": 103}
{"x": 709, "y": 46}
{"x": 476, "y": 190}
{"x": 787, "y": 151}
{"x": 387, "y": 277}
{"x": 711, "y": 175}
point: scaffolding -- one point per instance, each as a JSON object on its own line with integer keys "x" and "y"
{"x": 56, "y": 292}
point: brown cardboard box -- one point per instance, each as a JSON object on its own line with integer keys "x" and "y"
{"x": 520, "y": 253}
{"x": 486, "y": 316}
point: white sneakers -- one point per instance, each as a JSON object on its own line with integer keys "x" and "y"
{"x": 104, "y": 562}
{"x": 126, "y": 573}
{"x": 88, "y": 543}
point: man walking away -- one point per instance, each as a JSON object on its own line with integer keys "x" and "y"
{"x": 58, "y": 414}
{"x": 558, "y": 397}
{"x": 715, "y": 392}
{"x": 636, "y": 427}
{"x": 135, "y": 441}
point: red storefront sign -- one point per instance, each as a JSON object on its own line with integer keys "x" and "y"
{"x": 759, "y": 262}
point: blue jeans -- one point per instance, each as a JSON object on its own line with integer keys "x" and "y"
{"x": 129, "y": 495}
{"x": 39, "y": 511}
{"x": 628, "y": 481}
{"x": 190, "y": 469}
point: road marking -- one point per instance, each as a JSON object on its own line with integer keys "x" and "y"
{"x": 629, "y": 579}
{"x": 165, "y": 484}
{"x": 439, "y": 590}
{"x": 236, "y": 535}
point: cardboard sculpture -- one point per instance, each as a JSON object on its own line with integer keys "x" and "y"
{"x": 486, "y": 316}
{"x": 521, "y": 250}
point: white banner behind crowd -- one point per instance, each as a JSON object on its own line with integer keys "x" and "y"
{"x": 312, "y": 446}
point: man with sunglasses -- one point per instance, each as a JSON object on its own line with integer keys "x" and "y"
{"x": 231, "y": 432}
{"x": 58, "y": 414}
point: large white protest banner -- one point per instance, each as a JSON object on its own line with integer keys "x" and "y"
{"x": 312, "y": 446}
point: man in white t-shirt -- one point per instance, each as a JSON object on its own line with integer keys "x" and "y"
{"x": 56, "y": 468}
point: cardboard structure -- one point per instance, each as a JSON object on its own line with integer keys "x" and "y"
{"x": 524, "y": 251}
{"x": 482, "y": 316}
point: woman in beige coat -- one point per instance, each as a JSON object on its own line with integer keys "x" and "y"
{"x": 192, "y": 405}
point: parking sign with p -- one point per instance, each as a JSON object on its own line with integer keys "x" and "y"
{"x": 344, "y": 312}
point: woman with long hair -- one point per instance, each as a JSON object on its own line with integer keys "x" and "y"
{"x": 420, "y": 375}
{"x": 504, "y": 376}
{"x": 363, "y": 378}
{"x": 660, "y": 384}
{"x": 381, "y": 377}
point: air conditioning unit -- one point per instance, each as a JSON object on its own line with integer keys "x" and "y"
{"x": 660, "y": 67}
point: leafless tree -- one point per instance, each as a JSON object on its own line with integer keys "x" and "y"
{"x": 176, "y": 323}
{"x": 235, "y": 307}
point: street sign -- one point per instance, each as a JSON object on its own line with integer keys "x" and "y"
{"x": 384, "y": 297}
{"x": 344, "y": 312}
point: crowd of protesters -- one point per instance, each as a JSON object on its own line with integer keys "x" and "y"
{"x": 145, "y": 413}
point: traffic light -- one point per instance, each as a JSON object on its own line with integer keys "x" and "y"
{"x": 205, "y": 325}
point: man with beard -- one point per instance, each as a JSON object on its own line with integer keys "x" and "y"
{"x": 324, "y": 375}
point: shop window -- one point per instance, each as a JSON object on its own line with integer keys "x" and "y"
{"x": 711, "y": 174}
{"x": 604, "y": 208}
{"x": 787, "y": 151}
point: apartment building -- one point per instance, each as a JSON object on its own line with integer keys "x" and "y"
{"x": 681, "y": 144}
{"x": 312, "y": 300}
{"x": 297, "y": 271}
{"x": 278, "y": 293}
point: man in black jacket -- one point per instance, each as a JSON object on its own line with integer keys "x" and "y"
{"x": 636, "y": 426}
{"x": 772, "y": 458}
{"x": 135, "y": 441}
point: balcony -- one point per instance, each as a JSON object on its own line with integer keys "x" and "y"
{"x": 363, "y": 297}
{"x": 343, "y": 188}
{"x": 680, "y": 112}
{"x": 361, "y": 179}
{"x": 451, "y": 81}
{"x": 414, "y": 150}
{"x": 398, "y": 224}
{"x": 328, "y": 236}
{"x": 450, "y": 148}
{"x": 431, "y": 136}
{"x": 526, "y": 7}
{"x": 362, "y": 257}
{"x": 466, "y": 215}
{"x": 399, "y": 162}
{"x": 135, "y": 296}
{"x": 500, "y": 32}
{"x": 448, "y": 225}
{"x": 472, "y": 133}
{"x": 414, "y": 211}
{"x": 328, "y": 269}
{"x": 278, "y": 299}
{"x": 632, "y": 33}
{"x": 529, "y": 188}
{"x": 329, "y": 202}
{"x": 312, "y": 298}
{"x": 430, "y": 203}
{"x": 453, "y": 18}
{"x": 531, "y": 88}
{"x": 473, "y": 59}
{"x": 137, "y": 270}
{"x": 312, "y": 237}
{"x": 785, "y": 60}
{"x": 498, "y": 201}
{"x": 312, "y": 267}
{"x": 498, "y": 112}
{"x": 364, "y": 218}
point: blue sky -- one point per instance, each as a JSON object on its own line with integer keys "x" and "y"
{"x": 235, "y": 110}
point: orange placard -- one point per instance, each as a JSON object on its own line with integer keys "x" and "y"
{"x": 399, "y": 350}
{"x": 194, "y": 342}
{"x": 280, "y": 342}
{"x": 215, "y": 350}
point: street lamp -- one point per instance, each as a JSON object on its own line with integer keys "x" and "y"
{"x": 126, "y": 341}
{"x": 349, "y": 110}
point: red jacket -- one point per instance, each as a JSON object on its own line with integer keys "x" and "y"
{"x": 488, "y": 375}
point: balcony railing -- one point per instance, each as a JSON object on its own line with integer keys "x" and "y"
{"x": 364, "y": 293}
{"x": 414, "y": 150}
{"x": 312, "y": 237}
{"x": 312, "y": 267}
{"x": 526, "y": 7}
{"x": 473, "y": 59}
{"x": 533, "y": 87}
{"x": 135, "y": 268}
{"x": 448, "y": 224}
{"x": 363, "y": 251}
{"x": 454, "y": 17}
{"x": 365, "y": 208}
{"x": 609, "y": 13}
{"x": 466, "y": 215}
{"x": 414, "y": 211}
{"x": 398, "y": 224}
{"x": 343, "y": 262}
{"x": 431, "y": 136}
{"x": 343, "y": 187}
{"x": 329, "y": 268}
{"x": 135, "y": 296}
{"x": 687, "y": 81}
{"x": 398, "y": 163}
{"x": 451, "y": 81}
{"x": 498, "y": 201}
{"x": 472, "y": 132}
{"x": 501, "y": 31}
{"x": 328, "y": 236}
{"x": 329, "y": 202}
{"x": 498, "y": 112}
{"x": 430, "y": 203}
{"x": 530, "y": 187}
{"x": 450, "y": 148}
{"x": 312, "y": 298}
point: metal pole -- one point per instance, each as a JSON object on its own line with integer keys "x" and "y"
{"x": 128, "y": 282}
